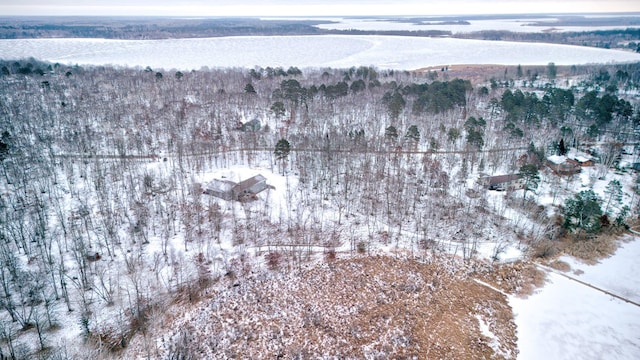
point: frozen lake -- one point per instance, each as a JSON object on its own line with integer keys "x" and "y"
{"x": 567, "y": 320}
{"x": 514, "y": 25}
{"x": 338, "y": 51}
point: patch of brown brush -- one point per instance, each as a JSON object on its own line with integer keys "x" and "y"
{"x": 560, "y": 265}
{"x": 519, "y": 278}
{"x": 482, "y": 73}
{"x": 367, "y": 307}
{"x": 591, "y": 250}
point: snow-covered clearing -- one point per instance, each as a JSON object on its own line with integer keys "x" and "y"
{"x": 341, "y": 51}
{"x": 617, "y": 274}
{"x": 568, "y": 320}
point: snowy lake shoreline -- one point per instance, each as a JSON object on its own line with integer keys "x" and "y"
{"x": 568, "y": 320}
{"x": 461, "y": 25}
{"x": 312, "y": 51}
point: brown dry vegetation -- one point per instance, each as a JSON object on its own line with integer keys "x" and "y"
{"x": 481, "y": 73}
{"x": 366, "y": 307}
{"x": 590, "y": 250}
{"x": 560, "y": 265}
{"x": 474, "y": 73}
{"x": 518, "y": 278}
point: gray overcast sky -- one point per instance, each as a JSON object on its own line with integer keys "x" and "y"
{"x": 309, "y": 8}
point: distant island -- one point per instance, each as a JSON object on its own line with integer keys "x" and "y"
{"x": 459, "y": 22}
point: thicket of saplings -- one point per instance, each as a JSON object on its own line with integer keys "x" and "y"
{"x": 88, "y": 228}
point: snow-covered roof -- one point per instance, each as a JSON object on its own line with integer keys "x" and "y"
{"x": 220, "y": 185}
{"x": 581, "y": 159}
{"x": 500, "y": 179}
{"x": 578, "y": 156}
{"x": 557, "y": 159}
{"x": 251, "y": 181}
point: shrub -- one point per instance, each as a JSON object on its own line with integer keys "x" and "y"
{"x": 330, "y": 255}
{"x": 361, "y": 247}
{"x": 545, "y": 249}
{"x": 273, "y": 260}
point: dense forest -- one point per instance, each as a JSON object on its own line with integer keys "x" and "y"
{"x": 136, "y": 28}
{"x": 103, "y": 216}
{"x": 607, "y": 39}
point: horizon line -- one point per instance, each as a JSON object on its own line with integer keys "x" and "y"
{"x": 200, "y": 16}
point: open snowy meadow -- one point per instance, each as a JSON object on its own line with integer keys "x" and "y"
{"x": 337, "y": 51}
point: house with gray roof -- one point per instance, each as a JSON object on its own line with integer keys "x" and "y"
{"x": 561, "y": 166}
{"x": 229, "y": 190}
{"x": 222, "y": 189}
{"x": 503, "y": 182}
{"x": 249, "y": 187}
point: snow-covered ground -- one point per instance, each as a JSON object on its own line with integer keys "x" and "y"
{"x": 338, "y": 51}
{"x": 568, "y": 320}
{"x": 513, "y": 25}
{"x": 617, "y": 274}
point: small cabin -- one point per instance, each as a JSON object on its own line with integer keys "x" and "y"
{"x": 229, "y": 190}
{"x": 250, "y": 186}
{"x": 561, "y": 166}
{"x": 581, "y": 161}
{"x": 93, "y": 257}
{"x": 579, "y": 158}
{"x": 503, "y": 182}
{"x": 222, "y": 189}
{"x": 252, "y": 125}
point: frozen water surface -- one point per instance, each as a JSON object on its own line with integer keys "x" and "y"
{"x": 522, "y": 25}
{"x": 392, "y": 52}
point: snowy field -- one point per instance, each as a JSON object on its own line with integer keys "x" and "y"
{"x": 513, "y": 25}
{"x": 617, "y": 274}
{"x": 568, "y": 320}
{"x": 338, "y": 51}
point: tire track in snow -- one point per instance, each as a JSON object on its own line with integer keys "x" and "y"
{"x": 301, "y": 150}
{"x": 398, "y": 151}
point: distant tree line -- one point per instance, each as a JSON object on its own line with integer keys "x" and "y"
{"x": 608, "y": 39}
{"x": 152, "y": 28}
